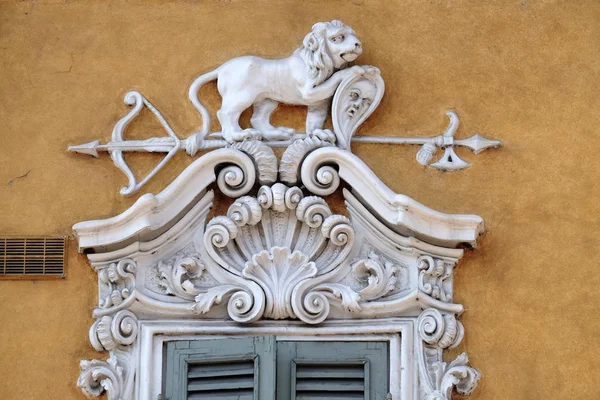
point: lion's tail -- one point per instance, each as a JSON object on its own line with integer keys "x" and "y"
{"x": 193, "y": 95}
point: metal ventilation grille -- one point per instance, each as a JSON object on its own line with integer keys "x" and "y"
{"x": 331, "y": 381}
{"x": 32, "y": 257}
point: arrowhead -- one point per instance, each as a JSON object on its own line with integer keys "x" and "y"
{"x": 87, "y": 148}
{"x": 478, "y": 143}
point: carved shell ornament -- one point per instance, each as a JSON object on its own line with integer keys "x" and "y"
{"x": 276, "y": 256}
{"x": 279, "y": 256}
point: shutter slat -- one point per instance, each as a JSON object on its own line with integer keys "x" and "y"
{"x": 221, "y": 395}
{"x": 224, "y": 376}
{"x": 330, "y": 371}
{"x": 331, "y": 385}
{"x": 220, "y": 369}
{"x": 329, "y": 396}
{"x": 330, "y": 381}
{"x": 322, "y": 370}
{"x": 222, "y": 383}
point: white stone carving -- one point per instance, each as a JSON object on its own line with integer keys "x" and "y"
{"x": 323, "y": 169}
{"x": 175, "y": 278}
{"x": 112, "y": 331}
{"x": 380, "y": 276}
{"x": 274, "y": 256}
{"x": 439, "y": 332}
{"x": 435, "y": 278}
{"x": 115, "y": 376}
{"x": 279, "y": 261}
{"x": 278, "y": 254}
{"x": 117, "y": 282}
{"x": 315, "y": 75}
{"x": 356, "y": 98}
{"x": 307, "y": 77}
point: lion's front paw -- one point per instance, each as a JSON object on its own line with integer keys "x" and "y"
{"x": 357, "y": 70}
{"x": 278, "y": 134}
{"x": 324, "y": 134}
{"x": 371, "y": 70}
{"x": 241, "y": 135}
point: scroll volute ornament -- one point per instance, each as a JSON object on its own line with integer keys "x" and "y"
{"x": 273, "y": 252}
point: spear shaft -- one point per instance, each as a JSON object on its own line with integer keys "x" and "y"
{"x": 215, "y": 141}
{"x": 166, "y": 144}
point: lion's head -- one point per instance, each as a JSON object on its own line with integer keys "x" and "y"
{"x": 329, "y": 46}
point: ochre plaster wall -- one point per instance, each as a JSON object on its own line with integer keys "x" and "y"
{"x": 525, "y": 72}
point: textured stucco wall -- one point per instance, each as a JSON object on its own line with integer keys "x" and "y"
{"x": 525, "y": 72}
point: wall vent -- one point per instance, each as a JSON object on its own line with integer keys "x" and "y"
{"x": 32, "y": 257}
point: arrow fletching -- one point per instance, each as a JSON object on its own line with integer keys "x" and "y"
{"x": 87, "y": 148}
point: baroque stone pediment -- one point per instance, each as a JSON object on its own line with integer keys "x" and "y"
{"x": 279, "y": 255}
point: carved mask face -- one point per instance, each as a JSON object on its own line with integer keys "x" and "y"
{"x": 359, "y": 98}
{"x": 343, "y": 46}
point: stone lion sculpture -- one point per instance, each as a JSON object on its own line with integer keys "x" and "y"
{"x": 308, "y": 77}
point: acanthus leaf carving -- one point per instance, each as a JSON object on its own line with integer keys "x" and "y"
{"x": 112, "y": 331}
{"x": 100, "y": 376}
{"x": 175, "y": 278}
{"x": 312, "y": 304}
{"x": 381, "y": 276}
{"x": 292, "y": 158}
{"x": 278, "y": 271}
{"x": 114, "y": 376}
{"x": 439, "y": 332}
{"x": 458, "y": 374}
{"x": 116, "y": 286}
{"x": 263, "y": 157}
{"x": 205, "y": 300}
{"x": 433, "y": 277}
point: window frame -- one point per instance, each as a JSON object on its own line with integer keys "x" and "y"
{"x": 398, "y": 332}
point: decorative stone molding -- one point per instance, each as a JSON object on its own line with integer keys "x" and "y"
{"x": 110, "y": 332}
{"x": 279, "y": 254}
{"x": 435, "y": 278}
{"x": 115, "y": 376}
{"x": 117, "y": 283}
{"x": 439, "y": 332}
{"x": 279, "y": 260}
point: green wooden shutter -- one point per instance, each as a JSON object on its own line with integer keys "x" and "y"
{"x": 332, "y": 370}
{"x": 223, "y": 369}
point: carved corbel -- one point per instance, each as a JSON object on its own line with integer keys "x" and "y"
{"x": 116, "y": 287}
{"x": 112, "y": 331}
{"x": 439, "y": 332}
{"x": 115, "y": 331}
{"x": 435, "y": 278}
{"x": 458, "y": 374}
{"x": 117, "y": 334}
{"x": 114, "y": 376}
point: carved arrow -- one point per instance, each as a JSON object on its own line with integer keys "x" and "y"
{"x": 172, "y": 144}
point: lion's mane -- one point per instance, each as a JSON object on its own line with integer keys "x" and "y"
{"x": 314, "y": 51}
